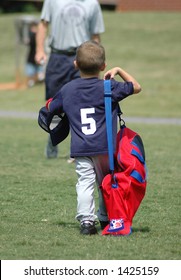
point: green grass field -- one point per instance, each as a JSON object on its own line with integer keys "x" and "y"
{"x": 38, "y": 198}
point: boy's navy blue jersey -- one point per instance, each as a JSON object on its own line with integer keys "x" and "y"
{"x": 83, "y": 102}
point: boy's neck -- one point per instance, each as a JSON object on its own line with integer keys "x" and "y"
{"x": 87, "y": 76}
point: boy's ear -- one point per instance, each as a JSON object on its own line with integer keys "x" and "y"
{"x": 103, "y": 67}
{"x": 75, "y": 64}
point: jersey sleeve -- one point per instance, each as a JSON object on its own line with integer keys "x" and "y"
{"x": 46, "y": 11}
{"x": 97, "y": 22}
{"x": 56, "y": 105}
{"x": 121, "y": 90}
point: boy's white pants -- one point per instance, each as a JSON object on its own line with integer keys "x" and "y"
{"x": 90, "y": 170}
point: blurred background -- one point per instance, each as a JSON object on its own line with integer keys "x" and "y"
{"x": 144, "y": 38}
{"x": 141, "y": 36}
{"x": 9, "y": 6}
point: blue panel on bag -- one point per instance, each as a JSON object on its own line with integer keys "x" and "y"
{"x": 135, "y": 174}
{"x": 136, "y": 154}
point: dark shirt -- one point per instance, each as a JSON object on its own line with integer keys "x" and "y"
{"x": 32, "y": 48}
{"x": 83, "y": 102}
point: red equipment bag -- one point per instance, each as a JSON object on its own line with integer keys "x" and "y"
{"x": 124, "y": 190}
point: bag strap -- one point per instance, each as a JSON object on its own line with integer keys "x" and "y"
{"x": 108, "y": 111}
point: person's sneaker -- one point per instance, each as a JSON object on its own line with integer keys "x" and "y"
{"x": 88, "y": 228}
{"x": 70, "y": 160}
{"x": 104, "y": 224}
{"x": 51, "y": 151}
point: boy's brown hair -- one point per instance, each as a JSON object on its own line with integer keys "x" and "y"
{"x": 90, "y": 57}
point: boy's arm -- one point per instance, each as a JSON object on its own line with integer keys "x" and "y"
{"x": 40, "y": 55}
{"x": 54, "y": 104}
{"x": 110, "y": 74}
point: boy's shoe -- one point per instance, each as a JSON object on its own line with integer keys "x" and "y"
{"x": 104, "y": 224}
{"x": 88, "y": 228}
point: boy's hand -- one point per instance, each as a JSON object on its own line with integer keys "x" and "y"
{"x": 110, "y": 74}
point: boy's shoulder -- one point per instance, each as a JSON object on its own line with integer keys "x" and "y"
{"x": 83, "y": 81}
{"x": 74, "y": 81}
{"x": 70, "y": 84}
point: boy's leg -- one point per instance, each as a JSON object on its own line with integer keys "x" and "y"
{"x": 30, "y": 71}
{"x": 40, "y": 73}
{"x": 85, "y": 189}
{"x": 101, "y": 165}
{"x": 85, "y": 195}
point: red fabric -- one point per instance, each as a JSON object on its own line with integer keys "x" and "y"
{"x": 47, "y": 103}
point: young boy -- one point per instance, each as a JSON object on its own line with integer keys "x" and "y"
{"x": 83, "y": 102}
{"x": 34, "y": 72}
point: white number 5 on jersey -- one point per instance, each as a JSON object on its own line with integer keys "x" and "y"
{"x": 88, "y": 123}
